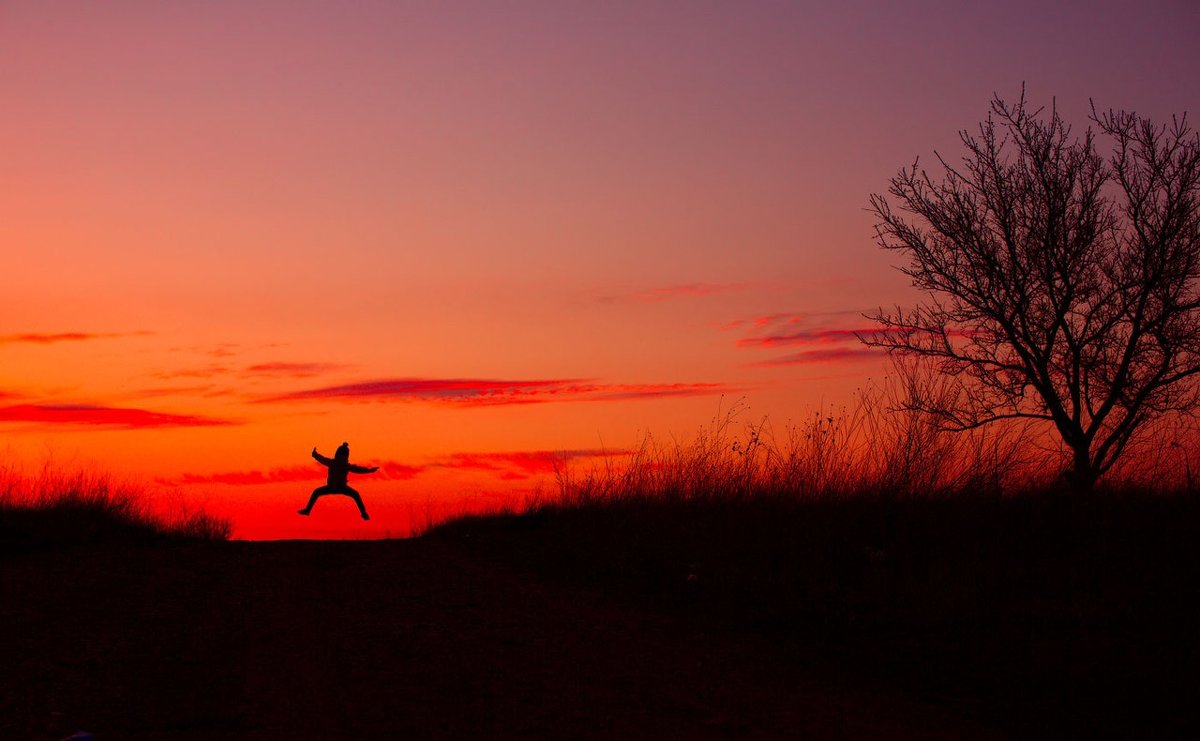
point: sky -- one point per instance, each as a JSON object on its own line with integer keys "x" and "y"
{"x": 474, "y": 239}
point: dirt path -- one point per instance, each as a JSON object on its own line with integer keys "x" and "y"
{"x": 383, "y": 640}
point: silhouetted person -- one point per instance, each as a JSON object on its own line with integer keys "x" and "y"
{"x": 339, "y": 467}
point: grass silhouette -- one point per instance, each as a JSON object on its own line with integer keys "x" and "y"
{"x": 958, "y": 568}
{"x": 89, "y": 508}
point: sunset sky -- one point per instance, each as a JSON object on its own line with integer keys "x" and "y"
{"x": 469, "y": 236}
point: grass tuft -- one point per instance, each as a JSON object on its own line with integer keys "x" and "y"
{"x": 88, "y": 508}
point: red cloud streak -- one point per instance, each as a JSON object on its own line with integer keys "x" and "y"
{"x": 491, "y": 392}
{"x": 295, "y": 370}
{"x": 830, "y": 355}
{"x": 765, "y": 320}
{"x": 623, "y": 391}
{"x": 815, "y": 337}
{"x": 248, "y": 478}
{"x": 101, "y": 416}
{"x": 521, "y": 464}
{"x": 37, "y": 338}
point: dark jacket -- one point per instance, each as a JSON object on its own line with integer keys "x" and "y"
{"x": 339, "y": 469}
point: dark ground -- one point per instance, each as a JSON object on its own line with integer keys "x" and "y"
{"x": 385, "y": 640}
{"x": 705, "y": 622}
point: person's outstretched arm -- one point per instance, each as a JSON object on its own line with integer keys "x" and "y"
{"x": 363, "y": 469}
{"x": 320, "y": 458}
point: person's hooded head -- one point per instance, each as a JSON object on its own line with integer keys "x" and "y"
{"x": 343, "y": 452}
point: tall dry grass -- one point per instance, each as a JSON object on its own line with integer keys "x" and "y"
{"x": 879, "y": 446}
{"x": 87, "y": 506}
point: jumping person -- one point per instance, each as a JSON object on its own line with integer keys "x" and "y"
{"x": 339, "y": 466}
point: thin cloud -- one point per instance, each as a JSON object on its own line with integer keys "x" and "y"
{"x": 765, "y": 320}
{"x": 223, "y": 350}
{"x": 398, "y": 471}
{"x": 247, "y": 478}
{"x": 516, "y": 465}
{"x": 622, "y": 392}
{"x": 830, "y": 355}
{"x": 258, "y": 370}
{"x": 292, "y": 370}
{"x": 822, "y": 336}
{"x": 493, "y": 392}
{"x": 39, "y": 338}
{"x": 157, "y": 391}
{"x": 102, "y": 416}
{"x": 208, "y": 371}
{"x": 469, "y": 390}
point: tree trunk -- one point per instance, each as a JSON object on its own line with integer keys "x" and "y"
{"x": 1082, "y": 476}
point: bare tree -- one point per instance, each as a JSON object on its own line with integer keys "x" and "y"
{"x": 1062, "y": 283}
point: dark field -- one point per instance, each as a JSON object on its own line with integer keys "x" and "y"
{"x": 883, "y": 619}
{"x": 1032, "y": 616}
